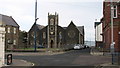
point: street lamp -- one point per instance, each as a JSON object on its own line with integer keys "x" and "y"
{"x": 35, "y": 34}
{"x": 112, "y": 42}
{"x": 35, "y": 26}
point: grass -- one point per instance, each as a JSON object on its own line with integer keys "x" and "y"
{"x": 41, "y": 49}
{"x": 102, "y": 50}
{"x": 99, "y": 49}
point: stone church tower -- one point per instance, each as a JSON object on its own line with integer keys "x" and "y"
{"x": 52, "y": 30}
{"x": 55, "y": 36}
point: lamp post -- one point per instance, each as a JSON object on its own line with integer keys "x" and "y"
{"x": 112, "y": 40}
{"x": 35, "y": 26}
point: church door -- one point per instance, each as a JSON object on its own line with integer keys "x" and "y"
{"x": 51, "y": 43}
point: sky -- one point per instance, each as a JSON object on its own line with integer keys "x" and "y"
{"x": 81, "y": 12}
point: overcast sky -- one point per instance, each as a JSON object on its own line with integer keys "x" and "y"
{"x": 81, "y": 12}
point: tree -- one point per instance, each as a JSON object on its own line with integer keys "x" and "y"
{"x": 23, "y": 39}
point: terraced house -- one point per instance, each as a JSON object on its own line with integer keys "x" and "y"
{"x": 106, "y": 25}
{"x": 55, "y": 36}
{"x": 12, "y": 31}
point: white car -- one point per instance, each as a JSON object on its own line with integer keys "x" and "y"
{"x": 81, "y": 46}
{"x": 77, "y": 46}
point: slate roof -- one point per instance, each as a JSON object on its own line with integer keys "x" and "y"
{"x": 8, "y": 20}
{"x": 81, "y": 29}
{"x": 97, "y": 23}
{"x": 40, "y": 26}
{"x": 64, "y": 27}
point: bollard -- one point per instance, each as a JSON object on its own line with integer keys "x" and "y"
{"x": 9, "y": 59}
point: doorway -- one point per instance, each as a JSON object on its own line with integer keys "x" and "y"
{"x": 51, "y": 43}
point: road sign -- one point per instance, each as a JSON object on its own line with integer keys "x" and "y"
{"x": 112, "y": 47}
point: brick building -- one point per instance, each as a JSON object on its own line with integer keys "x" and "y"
{"x": 55, "y": 36}
{"x": 106, "y": 25}
{"x": 12, "y": 31}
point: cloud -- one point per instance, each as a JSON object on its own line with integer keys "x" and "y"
{"x": 71, "y": 0}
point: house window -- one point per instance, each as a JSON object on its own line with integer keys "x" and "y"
{"x": 8, "y": 30}
{"x": 14, "y": 30}
{"x": 114, "y": 11}
{"x": 14, "y": 42}
{"x": 8, "y": 40}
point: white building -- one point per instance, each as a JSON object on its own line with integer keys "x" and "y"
{"x": 98, "y": 32}
{"x": 2, "y": 43}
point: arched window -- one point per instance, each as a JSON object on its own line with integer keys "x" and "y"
{"x": 44, "y": 35}
{"x": 51, "y": 21}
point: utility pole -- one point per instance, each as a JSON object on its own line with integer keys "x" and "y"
{"x": 35, "y": 26}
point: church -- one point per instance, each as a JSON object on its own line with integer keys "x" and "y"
{"x": 55, "y": 36}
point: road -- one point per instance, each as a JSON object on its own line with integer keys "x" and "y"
{"x": 70, "y": 58}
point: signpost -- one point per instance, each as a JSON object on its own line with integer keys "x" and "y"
{"x": 2, "y": 46}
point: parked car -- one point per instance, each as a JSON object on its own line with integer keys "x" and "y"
{"x": 78, "y": 46}
{"x": 81, "y": 46}
{"x": 40, "y": 46}
{"x": 86, "y": 46}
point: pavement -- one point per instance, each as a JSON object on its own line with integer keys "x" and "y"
{"x": 18, "y": 62}
{"x": 95, "y": 52}
{"x": 99, "y": 53}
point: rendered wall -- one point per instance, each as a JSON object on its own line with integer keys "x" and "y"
{"x": 2, "y": 46}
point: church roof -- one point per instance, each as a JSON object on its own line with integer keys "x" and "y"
{"x": 64, "y": 27}
{"x": 8, "y": 20}
{"x": 40, "y": 26}
{"x": 81, "y": 29}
